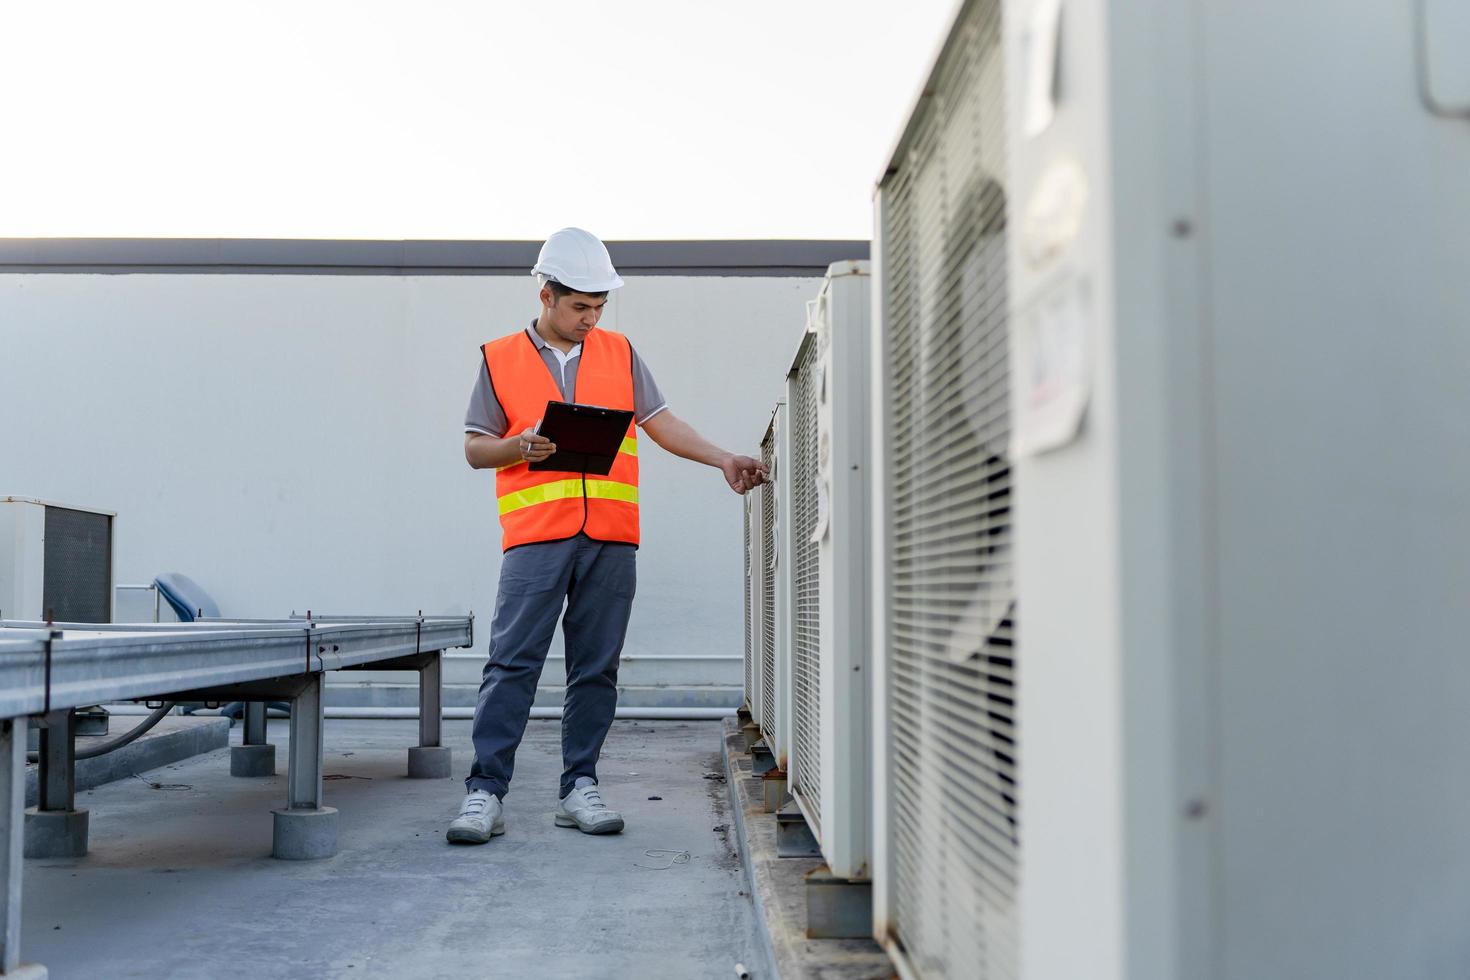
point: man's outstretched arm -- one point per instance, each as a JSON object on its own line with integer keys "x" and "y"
{"x": 742, "y": 473}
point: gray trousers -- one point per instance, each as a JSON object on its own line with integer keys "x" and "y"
{"x": 595, "y": 582}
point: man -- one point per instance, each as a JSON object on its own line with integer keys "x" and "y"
{"x": 570, "y": 539}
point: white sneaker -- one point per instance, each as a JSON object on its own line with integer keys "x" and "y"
{"x": 583, "y": 808}
{"x": 479, "y": 819}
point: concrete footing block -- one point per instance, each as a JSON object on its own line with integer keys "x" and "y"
{"x": 27, "y": 971}
{"x": 55, "y": 833}
{"x": 838, "y": 908}
{"x": 429, "y": 762}
{"x": 305, "y": 835}
{"x": 252, "y": 760}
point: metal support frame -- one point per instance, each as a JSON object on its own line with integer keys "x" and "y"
{"x": 430, "y": 759}
{"x": 304, "y": 778}
{"x": 431, "y": 697}
{"x": 305, "y": 829}
{"x": 762, "y": 759}
{"x": 91, "y": 720}
{"x": 254, "y": 733}
{"x": 12, "y": 836}
{"x": 838, "y": 908}
{"x": 12, "y": 805}
{"x": 54, "y": 827}
{"x": 56, "y": 785}
{"x": 751, "y": 734}
{"x": 773, "y": 789}
{"x": 45, "y": 669}
{"x": 793, "y": 836}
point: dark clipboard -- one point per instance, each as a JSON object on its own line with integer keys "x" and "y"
{"x": 588, "y": 438}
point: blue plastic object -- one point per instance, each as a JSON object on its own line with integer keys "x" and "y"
{"x": 190, "y": 602}
{"x": 183, "y": 594}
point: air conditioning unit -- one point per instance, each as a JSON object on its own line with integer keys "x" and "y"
{"x": 945, "y": 802}
{"x": 774, "y": 589}
{"x": 752, "y": 622}
{"x": 1240, "y": 282}
{"x": 827, "y": 394}
{"x": 55, "y": 562}
{"x": 759, "y": 609}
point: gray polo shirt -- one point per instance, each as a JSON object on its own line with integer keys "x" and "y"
{"x": 486, "y": 416}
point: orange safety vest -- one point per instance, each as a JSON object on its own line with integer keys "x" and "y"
{"x": 554, "y": 506}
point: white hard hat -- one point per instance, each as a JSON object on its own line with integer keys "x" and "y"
{"x": 578, "y": 260}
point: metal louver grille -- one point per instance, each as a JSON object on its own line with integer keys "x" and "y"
{"x": 806, "y": 640}
{"x": 768, "y": 589}
{"x": 77, "y": 580}
{"x": 951, "y": 609}
{"x": 749, "y": 626}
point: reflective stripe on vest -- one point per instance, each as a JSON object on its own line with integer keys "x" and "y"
{"x": 545, "y": 505}
{"x": 565, "y": 489}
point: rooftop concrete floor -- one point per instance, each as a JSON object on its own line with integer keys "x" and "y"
{"x": 179, "y": 881}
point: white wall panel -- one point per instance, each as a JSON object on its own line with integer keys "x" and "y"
{"x": 295, "y": 441}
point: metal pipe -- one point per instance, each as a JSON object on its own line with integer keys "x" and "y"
{"x": 465, "y": 713}
{"x": 127, "y": 737}
{"x": 460, "y": 714}
{"x": 131, "y": 735}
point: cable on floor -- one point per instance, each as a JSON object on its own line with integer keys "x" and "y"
{"x": 674, "y": 857}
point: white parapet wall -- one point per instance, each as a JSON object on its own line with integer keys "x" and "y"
{"x": 294, "y": 441}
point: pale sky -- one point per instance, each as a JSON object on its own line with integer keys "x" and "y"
{"x": 439, "y": 119}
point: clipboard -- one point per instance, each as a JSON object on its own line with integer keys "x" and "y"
{"x": 588, "y": 438}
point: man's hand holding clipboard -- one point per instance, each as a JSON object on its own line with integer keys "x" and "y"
{"x": 536, "y": 447}
{"x": 576, "y": 438}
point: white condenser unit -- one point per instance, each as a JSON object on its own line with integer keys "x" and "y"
{"x": 752, "y": 611}
{"x": 946, "y": 870}
{"x": 55, "y": 562}
{"x": 760, "y": 624}
{"x": 1240, "y": 280}
{"x": 773, "y": 584}
{"x": 827, "y": 395}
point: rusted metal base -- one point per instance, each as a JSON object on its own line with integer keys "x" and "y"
{"x": 838, "y": 908}
{"x": 762, "y": 759}
{"x": 773, "y": 785}
{"x": 793, "y": 837}
{"x": 751, "y": 732}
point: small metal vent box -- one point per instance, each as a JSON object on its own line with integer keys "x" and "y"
{"x": 55, "y": 562}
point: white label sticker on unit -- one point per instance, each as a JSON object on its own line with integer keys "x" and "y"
{"x": 1053, "y": 340}
{"x": 1054, "y": 211}
{"x": 823, "y": 482}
